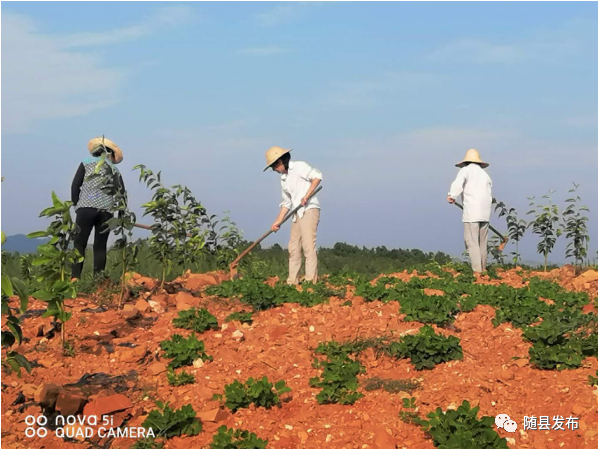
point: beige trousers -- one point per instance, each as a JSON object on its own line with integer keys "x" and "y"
{"x": 303, "y": 236}
{"x": 476, "y": 241}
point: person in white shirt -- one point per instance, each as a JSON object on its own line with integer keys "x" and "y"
{"x": 298, "y": 180}
{"x": 476, "y": 187}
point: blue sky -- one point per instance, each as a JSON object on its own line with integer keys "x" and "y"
{"x": 383, "y": 98}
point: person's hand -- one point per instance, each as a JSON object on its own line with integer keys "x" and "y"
{"x": 304, "y": 200}
{"x": 275, "y": 226}
{"x": 450, "y": 200}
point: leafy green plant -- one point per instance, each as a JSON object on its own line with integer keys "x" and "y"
{"x": 410, "y": 415}
{"x": 148, "y": 443}
{"x": 183, "y": 378}
{"x": 227, "y": 438}
{"x": 182, "y": 226}
{"x": 576, "y": 230}
{"x": 14, "y": 333}
{"x": 242, "y": 317}
{"x": 338, "y": 380}
{"x": 426, "y": 348}
{"x": 461, "y": 429}
{"x": 545, "y": 224}
{"x": 183, "y": 351}
{"x": 432, "y": 309}
{"x": 167, "y": 422}
{"x": 516, "y": 227}
{"x": 198, "y": 320}
{"x": 260, "y": 392}
{"x": 55, "y": 260}
{"x": 593, "y": 381}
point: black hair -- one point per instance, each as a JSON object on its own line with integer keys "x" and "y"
{"x": 285, "y": 158}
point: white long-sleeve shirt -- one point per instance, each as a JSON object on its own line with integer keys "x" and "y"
{"x": 295, "y": 185}
{"x": 476, "y": 186}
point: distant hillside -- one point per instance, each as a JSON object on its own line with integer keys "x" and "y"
{"x": 22, "y": 244}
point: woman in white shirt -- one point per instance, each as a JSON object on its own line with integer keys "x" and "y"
{"x": 476, "y": 187}
{"x": 298, "y": 180}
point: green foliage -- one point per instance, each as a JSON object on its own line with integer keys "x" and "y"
{"x": 593, "y": 381}
{"x": 260, "y": 392}
{"x": 576, "y": 229}
{"x": 167, "y": 422}
{"x": 236, "y": 439}
{"x": 461, "y": 429}
{"x": 181, "y": 225}
{"x": 183, "y": 378}
{"x": 242, "y": 317}
{"x": 338, "y": 380}
{"x": 198, "y": 320}
{"x": 55, "y": 259}
{"x": 545, "y": 224}
{"x": 426, "y": 349}
{"x": 183, "y": 351}
{"x": 516, "y": 227}
{"x": 431, "y": 309}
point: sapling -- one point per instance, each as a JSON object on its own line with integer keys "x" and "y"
{"x": 516, "y": 227}
{"x": 576, "y": 229}
{"x": 545, "y": 224}
{"x": 55, "y": 260}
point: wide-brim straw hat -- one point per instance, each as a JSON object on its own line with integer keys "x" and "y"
{"x": 98, "y": 142}
{"x": 472, "y": 156}
{"x": 273, "y": 154}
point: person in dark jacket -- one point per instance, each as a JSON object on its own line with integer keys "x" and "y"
{"x": 92, "y": 192}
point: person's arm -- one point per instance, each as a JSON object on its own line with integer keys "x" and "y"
{"x": 285, "y": 207}
{"x": 457, "y": 186}
{"x": 77, "y": 183}
{"x": 314, "y": 176}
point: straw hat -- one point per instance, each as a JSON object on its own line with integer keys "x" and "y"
{"x": 472, "y": 156}
{"x": 97, "y": 142}
{"x": 273, "y": 154}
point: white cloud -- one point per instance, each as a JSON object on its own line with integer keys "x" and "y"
{"x": 284, "y": 13}
{"x": 263, "y": 51}
{"x": 45, "y": 77}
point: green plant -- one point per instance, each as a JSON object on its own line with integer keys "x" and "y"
{"x": 179, "y": 233}
{"x": 147, "y": 443}
{"x": 242, "y": 317}
{"x": 409, "y": 415}
{"x": 593, "y": 381}
{"x": 261, "y": 392}
{"x": 494, "y": 250}
{"x": 236, "y": 439}
{"x": 183, "y": 351}
{"x": 198, "y": 320}
{"x": 426, "y": 349}
{"x": 183, "y": 378}
{"x": 55, "y": 259}
{"x": 545, "y": 224}
{"x": 167, "y": 422}
{"x": 14, "y": 333}
{"x": 461, "y": 429}
{"x": 69, "y": 348}
{"x": 516, "y": 227}
{"x": 338, "y": 380}
{"x": 576, "y": 230}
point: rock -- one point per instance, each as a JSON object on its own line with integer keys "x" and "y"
{"x": 76, "y": 431}
{"x": 198, "y": 281}
{"x": 148, "y": 283}
{"x": 107, "y": 405}
{"x": 69, "y": 403}
{"x": 130, "y": 312}
{"x": 130, "y": 355}
{"x": 157, "y": 368}
{"x": 278, "y": 332}
{"x": 521, "y": 362}
{"x": 238, "y": 336}
{"x": 215, "y": 415}
{"x": 142, "y": 305}
{"x": 155, "y": 306}
{"x": 29, "y": 390}
{"x": 198, "y": 363}
{"x": 47, "y": 395}
{"x": 185, "y": 301}
{"x": 590, "y": 276}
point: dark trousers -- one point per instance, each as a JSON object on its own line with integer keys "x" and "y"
{"x": 88, "y": 218}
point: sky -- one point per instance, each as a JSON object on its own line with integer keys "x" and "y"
{"x": 383, "y": 98}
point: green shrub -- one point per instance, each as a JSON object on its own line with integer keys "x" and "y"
{"x": 183, "y": 351}
{"x": 236, "y": 439}
{"x": 198, "y": 320}
{"x": 261, "y": 392}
